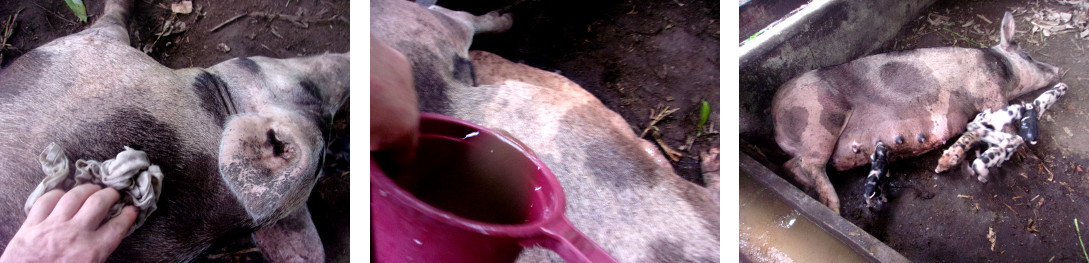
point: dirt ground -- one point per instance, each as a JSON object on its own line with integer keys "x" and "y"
{"x": 305, "y": 28}
{"x": 637, "y": 57}
{"x": 1026, "y": 213}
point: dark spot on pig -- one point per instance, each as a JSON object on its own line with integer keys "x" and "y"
{"x": 841, "y": 79}
{"x": 667, "y": 251}
{"x": 193, "y": 195}
{"x": 29, "y": 69}
{"x": 214, "y": 97}
{"x": 249, "y": 65}
{"x": 105, "y": 138}
{"x": 999, "y": 66}
{"x": 430, "y": 85}
{"x": 899, "y": 139}
{"x": 604, "y": 155}
{"x": 834, "y": 108}
{"x": 309, "y": 100}
{"x": 904, "y": 80}
{"x": 796, "y": 119}
{"x": 833, "y": 122}
{"x": 451, "y": 27}
{"x": 921, "y": 138}
{"x": 463, "y": 70}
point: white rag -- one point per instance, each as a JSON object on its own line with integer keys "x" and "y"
{"x": 130, "y": 173}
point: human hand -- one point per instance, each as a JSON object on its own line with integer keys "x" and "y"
{"x": 69, "y": 227}
{"x": 395, "y": 117}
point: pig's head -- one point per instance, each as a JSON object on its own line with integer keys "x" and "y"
{"x": 1027, "y": 73}
{"x": 272, "y": 147}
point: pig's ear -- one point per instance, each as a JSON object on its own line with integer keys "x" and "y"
{"x": 269, "y": 161}
{"x": 1007, "y": 30}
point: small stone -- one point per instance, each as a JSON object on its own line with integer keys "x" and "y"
{"x": 183, "y": 7}
{"x": 223, "y": 47}
{"x": 922, "y": 138}
{"x": 899, "y": 139}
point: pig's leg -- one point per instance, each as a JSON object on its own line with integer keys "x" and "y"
{"x": 808, "y": 169}
{"x": 492, "y": 22}
{"x": 1002, "y": 147}
{"x": 878, "y": 169}
{"x": 709, "y": 164}
{"x": 292, "y": 239}
{"x": 112, "y": 23}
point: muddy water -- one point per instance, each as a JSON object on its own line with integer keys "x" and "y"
{"x": 488, "y": 183}
{"x": 772, "y": 231}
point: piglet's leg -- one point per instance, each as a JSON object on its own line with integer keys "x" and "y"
{"x": 1002, "y": 147}
{"x": 956, "y": 153}
{"x": 1029, "y": 124}
{"x": 952, "y": 156}
{"x": 875, "y": 197}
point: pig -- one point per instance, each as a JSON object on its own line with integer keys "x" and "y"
{"x": 620, "y": 190}
{"x": 912, "y": 101}
{"x": 239, "y": 144}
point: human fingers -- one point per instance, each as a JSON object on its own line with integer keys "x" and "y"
{"x": 96, "y": 207}
{"x": 113, "y": 231}
{"x": 43, "y": 206}
{"x": 70, "y": 203}
{"x": 394, "y": 106}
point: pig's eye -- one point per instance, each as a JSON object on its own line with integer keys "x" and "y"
{"x": 1025, "y": 56}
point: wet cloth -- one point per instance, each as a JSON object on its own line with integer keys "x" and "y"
{"x": 130, "y": 173}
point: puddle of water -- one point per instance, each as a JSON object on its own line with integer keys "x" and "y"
{"x": 772, "y": 231}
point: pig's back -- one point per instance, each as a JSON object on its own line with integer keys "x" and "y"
{"x": 92, "y": 97}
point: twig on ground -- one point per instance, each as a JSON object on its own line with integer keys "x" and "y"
{"x": 168, "y": 26}
{"x": 55, "y": 14}
{"x": 240, "y": 252}
{"x": 302, "y": 22}
{"x": 656, "y": 117}
{"x": 673, "y": 155}
{"x": 227, "y": 22}
{"x": 7, "y": 33}
{"x": 956, "y": 35}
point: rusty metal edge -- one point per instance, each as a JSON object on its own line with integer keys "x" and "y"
{"x": 860, "y": 241}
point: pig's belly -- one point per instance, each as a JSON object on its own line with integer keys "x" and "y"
{"x": 904, "y": 137}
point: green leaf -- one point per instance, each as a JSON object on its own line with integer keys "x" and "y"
{"x": 78, "y": 8}
{"x": 1080, "y": 241}
{"x": 705, "y": 112}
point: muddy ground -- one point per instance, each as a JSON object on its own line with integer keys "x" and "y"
{"x": 1026, "y": 212}
{"x": 637, "y": 57}
{"x": 308, "y": 28}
